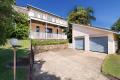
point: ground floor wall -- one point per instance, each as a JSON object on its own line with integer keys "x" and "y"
{"x": 42, "y": 26}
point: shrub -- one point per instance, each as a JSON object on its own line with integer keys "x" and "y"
{"x": 48, "y": 42}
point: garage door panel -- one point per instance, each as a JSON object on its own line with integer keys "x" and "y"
{"x": 99, "y": 44}
{"x": 79, "y": 43}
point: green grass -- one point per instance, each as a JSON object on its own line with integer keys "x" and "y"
{"x": 48, "y": 42}
{"x": 6, "y": 55}
{"x": 111, "y": 65}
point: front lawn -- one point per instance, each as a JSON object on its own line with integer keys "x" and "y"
{"x": 111, "y": 65}
{"x": 6, "y": 55}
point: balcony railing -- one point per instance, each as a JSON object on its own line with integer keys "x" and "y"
{"x": 43, "y": 35}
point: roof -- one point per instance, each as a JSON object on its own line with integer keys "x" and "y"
{"x": 20, "y": 9}
{"x": 98, "y": 28}
{"x": 28, "y": 5}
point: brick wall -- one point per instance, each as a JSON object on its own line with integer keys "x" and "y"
{"x": 42, "y": 26}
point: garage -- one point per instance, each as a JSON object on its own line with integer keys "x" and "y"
{"x": 79, "y": 43}
{"x": 99, "y": 44}
{"x": 91, "y": 38}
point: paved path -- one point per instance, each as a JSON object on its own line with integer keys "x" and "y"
{"x": 69, "y": 64}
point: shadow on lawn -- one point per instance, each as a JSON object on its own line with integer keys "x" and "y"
{"x": 6, "y": 56}
{"x": 40, "y": 75}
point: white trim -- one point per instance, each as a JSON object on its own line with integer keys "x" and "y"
{"x": 28, "y": 5}
{"x": 42, "y": 20}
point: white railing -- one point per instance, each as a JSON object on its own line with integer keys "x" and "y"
{"x": 43, "y": 35}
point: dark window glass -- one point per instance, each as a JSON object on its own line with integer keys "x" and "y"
{"x": 57, "y": 31}
{"x": 49, "y": 30}
{"x": 37, "y": 29}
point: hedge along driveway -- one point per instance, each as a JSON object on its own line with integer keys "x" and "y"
{"x": 36, "y": 42}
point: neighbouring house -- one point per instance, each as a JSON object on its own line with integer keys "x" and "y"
{"x": 43, "y": 24}
{"x": 95, "y": 39}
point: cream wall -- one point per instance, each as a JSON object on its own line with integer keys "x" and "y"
{"x": 111, "y": 44}
{"x": 87, "y": 31}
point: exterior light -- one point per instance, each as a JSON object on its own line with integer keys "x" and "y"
{"x": 14, "y": 43}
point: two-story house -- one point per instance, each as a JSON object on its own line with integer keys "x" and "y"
{"x": 43, "y": 24}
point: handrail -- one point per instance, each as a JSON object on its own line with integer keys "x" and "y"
{"x": 42, "y": 35}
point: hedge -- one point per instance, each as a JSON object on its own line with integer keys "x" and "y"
{"x": 36, "y": 42}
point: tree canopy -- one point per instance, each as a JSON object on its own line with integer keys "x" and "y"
{"x": 21, "y": 29}
{"x": 6, "y": 18}
{"x": 116, "y": 26}
{"x": 81, "y": 15}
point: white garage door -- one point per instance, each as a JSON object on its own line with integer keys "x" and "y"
{"x": 79, "y": 43}
{"x": 99, "y": 44}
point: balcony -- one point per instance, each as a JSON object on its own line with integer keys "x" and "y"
{"x": 40, "y": 16}
{"x": 43, "y": 35}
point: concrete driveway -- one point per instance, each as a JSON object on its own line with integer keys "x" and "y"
{"x": 69, "y": 64}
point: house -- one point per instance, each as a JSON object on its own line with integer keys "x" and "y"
{"x": 93, "y": 39}
{"x": 46, "y": 25}
{"x": 43, "y": 24}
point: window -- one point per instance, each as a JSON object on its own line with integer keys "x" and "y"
{"x": 37, "y": 29}
{"x": 31, "y": 13}
{"x": 49, "y": 18}
{"x": 44, "y": 16}
{"x": 57, "y": 31}
{"x": 41, "y": 15}
{"x": 35, "y": 14}
{"x": 53, "y": 19}
{"x": 49, "y": 30}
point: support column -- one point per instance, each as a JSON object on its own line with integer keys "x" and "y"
{"x": 58, "y": 32}
{"x": 46, "y": 31}
{"x": 87, "y": 43}
{"x": 111, "y": 44}
{"x": 73, "y": 42}
{"x": 30, "y": 32}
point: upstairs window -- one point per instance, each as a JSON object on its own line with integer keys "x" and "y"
{"x": 49, "y": 18}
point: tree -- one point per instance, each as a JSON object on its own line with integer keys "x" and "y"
{"x": 81, "y": 15}
{"x": 116, "y": 27}
{"x": 21, "y": 30}
{"x": 6, "y": 18}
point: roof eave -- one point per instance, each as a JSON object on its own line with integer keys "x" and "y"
{"x": 28, "y": 5}
{"x": 97, "y": 28}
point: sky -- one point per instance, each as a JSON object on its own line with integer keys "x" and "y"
{"x": 106, "y": 11}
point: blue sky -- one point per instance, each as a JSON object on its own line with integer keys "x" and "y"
{"x": 106, "y": 11}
